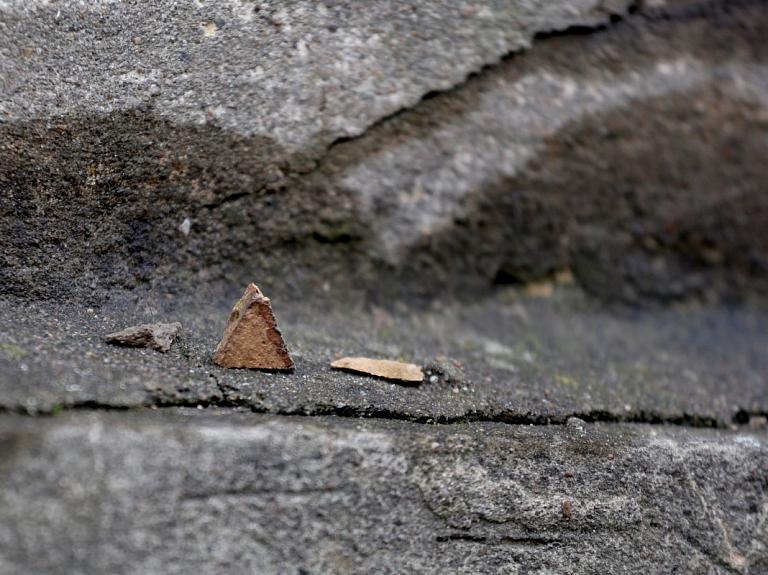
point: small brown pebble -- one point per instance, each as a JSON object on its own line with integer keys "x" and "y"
{"x": 567, "y": 509}
{"x": 158, "y": 336}
{"x": 384, "y": 368}
{"x": 610, "y": 456}
{"x": 629, "y": 458}
{"x": 758, "y": 421}
{"x": 569, "y": 473}
{"x": 540, "y": 289}
{"x": 209, "y": 28}
{"x": 251, "y": 337}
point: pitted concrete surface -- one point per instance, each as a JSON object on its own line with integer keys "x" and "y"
{"x": 523, "y": 359}
{"x": 155, "y": 493}
{"x": 301, "y": 72}
{"x": 629, "y": 155}
{"x": 557, "y": 209}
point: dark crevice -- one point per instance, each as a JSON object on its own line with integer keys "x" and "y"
{"x": 340, "y": 140}
{"x": 89, "y": 405}
{"x": 231, "y": 198}
{"x": 461, "y": 537}
{"x": 691, "y": 420}
{"x": 507, "y": 417}
{"x": 744, "y": 417}
{"x": 576, "y": 30}
{"x": 503, "y": 540}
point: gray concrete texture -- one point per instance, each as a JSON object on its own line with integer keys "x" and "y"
{"x": 149, "y": 114}
{"x": 524, "y": 359}
{"x": 178, "y": 491}
{"x": 629, "y": 155}
{"x": 558, "y": 209}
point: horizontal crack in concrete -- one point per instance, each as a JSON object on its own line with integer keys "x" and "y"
{"x": 692, "y": 420}
{"x": 539, "y": 36}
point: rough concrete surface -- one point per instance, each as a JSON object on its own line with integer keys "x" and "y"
{"x": 301, "y": 72}
{"x": 174, "y": 491}
{"x": 527, "y": 360}
{"x": 153, "y": 114}
{"x": 556, "y": 209}
{"x": 629, "y": 154}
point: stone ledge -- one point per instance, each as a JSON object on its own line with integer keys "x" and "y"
{"x": 157, "y": 492}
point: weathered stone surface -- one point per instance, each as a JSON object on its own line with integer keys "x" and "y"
{"x": 447, "y": 370}
{"x": 529, "y": 168}
{"x": 158, "y": 336}
{"x": 524, "y": 359}
{"x": 154, "y": 115}
{"x": 384, "y": 368}
{"x": 251, "y": 337}
{"x": 151, "y": 153}
{"x": 301, "y": 72}
{"x": 629, "y": 157}
{"x": 154, "y": 493}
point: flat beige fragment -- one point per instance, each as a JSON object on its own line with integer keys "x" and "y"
{"x": 251, "y": 337}
{"x": 158, "y": 336}
{"x": 384, "y": 368}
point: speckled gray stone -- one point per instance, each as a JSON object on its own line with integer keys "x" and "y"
{"x": 155, "y": 493}
{"x": 173, "y": 145}
{"x": 299, "y": 71}
{"x": 155, "y": 157}
{"x": 158, "y": 336}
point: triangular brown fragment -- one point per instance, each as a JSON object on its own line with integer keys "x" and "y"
{"x": 251, "y": 338}
{"x": 384, "y": 368}
{"x": 158, "y": 336}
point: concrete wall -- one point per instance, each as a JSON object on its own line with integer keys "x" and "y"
{"x": 617, "y": 141}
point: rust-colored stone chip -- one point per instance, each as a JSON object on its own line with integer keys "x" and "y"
{"x": 251, "y": 338}
{"x": 158, "y": 336}
{"x": 567, "y": 509}
{"x": 384, "y": 368}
